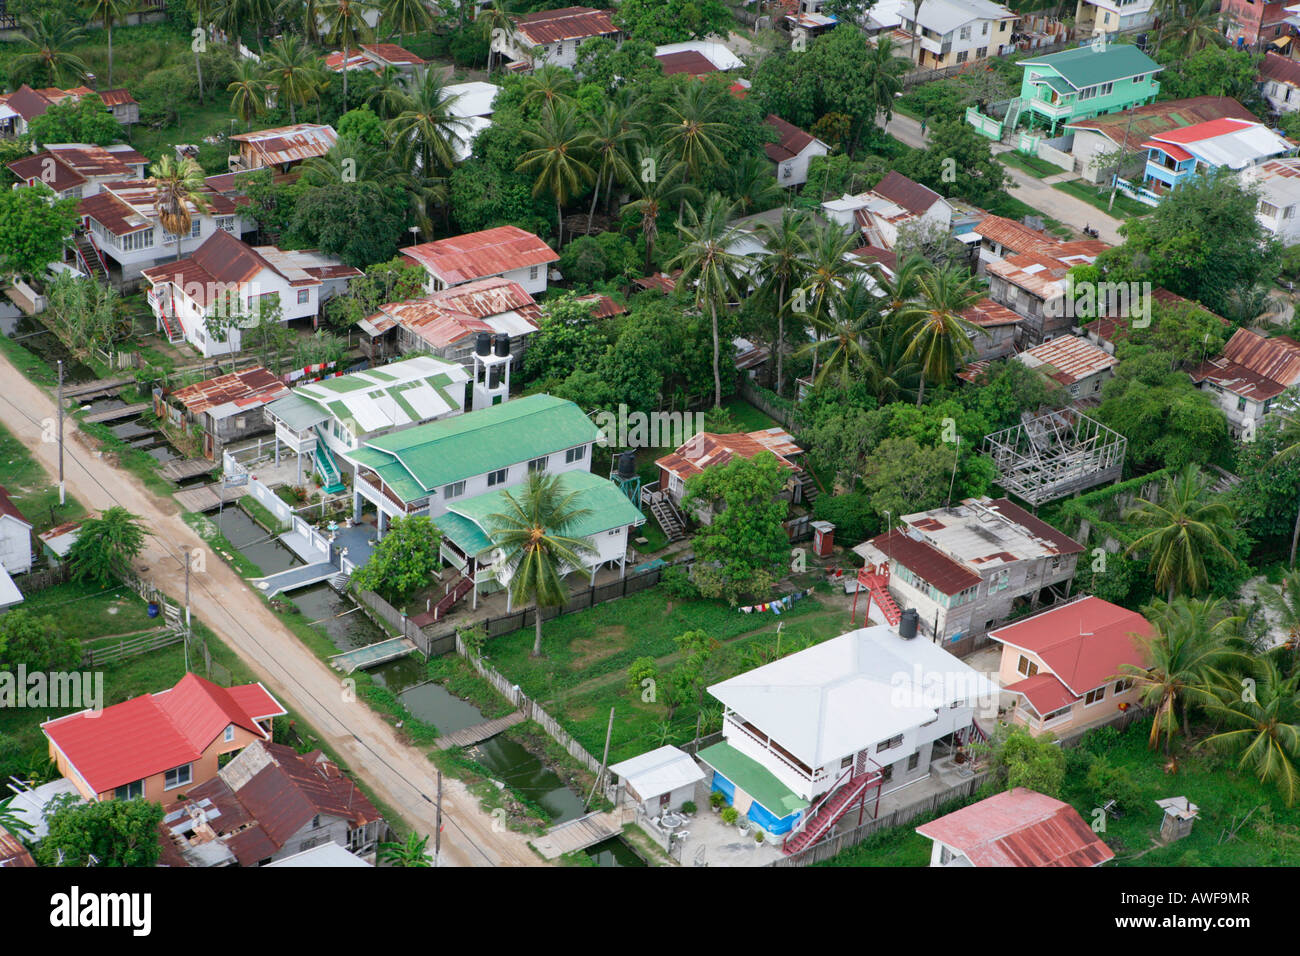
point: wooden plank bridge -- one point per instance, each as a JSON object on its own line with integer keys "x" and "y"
{"x": 207, "y": 497}
{"x": 182, "y": 468}
{"x": 101, "y": 386}
{"x": 110, "y": 414}
{"x": 372, "y": 655}
{"x": 479, "y": 732}
{"x": 574, "y": 835}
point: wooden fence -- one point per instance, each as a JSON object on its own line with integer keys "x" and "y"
{"x": 833, "y": 845}
{"x": 760, "y": 399}
{"x": 103, "y": 655}
{"x": 42, "y": 580}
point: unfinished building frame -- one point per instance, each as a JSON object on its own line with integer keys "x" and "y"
{"x": 1055, "y": 454}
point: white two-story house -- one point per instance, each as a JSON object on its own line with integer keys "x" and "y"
{"x": 552, "y": 37}
{"x": 506, "y": 251}
{"x": 952, "y": 32}
{"x": 78, "y": 170}
{"x": 226, "y": 276}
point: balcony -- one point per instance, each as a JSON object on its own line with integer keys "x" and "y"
{"x": 776, "y": 751}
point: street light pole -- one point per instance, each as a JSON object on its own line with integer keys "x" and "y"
{"x": 60, "y": 404}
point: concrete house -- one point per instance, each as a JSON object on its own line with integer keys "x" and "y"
{"x": 282, "y": 148}
{"x": 1065, "y": 667}
{"x": 77, "y": 170}
{"x": 1248, "y": 23}
{"x": 267, "y": 805}
{"x": 1249, "y": 376}
{"x": 965, "y": 568}
{"x": 1105, "y": 17}
{"x": 812, "y": 736}
{"x": 1087, "y": 81}
{"x": 948, "y": 33}
{"x": 15, "y": 550}
{"x": 225, "y": 409}
{"x": 792, "y": 151}
{"x": 182, "y": 294}
{"x": 879, "y": 213}
{"x": 19, "y": 108}
{"x": 1278, "y": 181}
{"x": 658, "y": 781}
{"x": 1017, "y": 827}
{"x": 422, "y": 470}
{"x": 158, "y": 743}
{"x": 1072, "y": 362}
{"x": 506, "y": 252}
{"x": 552, "y": 37}
{"x": 1279, "y": 81}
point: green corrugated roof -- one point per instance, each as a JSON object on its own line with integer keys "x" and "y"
{"x": 1056, "y": 83}
{"x": 296, "y": 412}
{"x": 417, "y": 460}
{"x": 1085, "y": 66}
{"x": 342, "y": 384}
{"x": 752, "y": 777}
{"x": 469, "y": 524}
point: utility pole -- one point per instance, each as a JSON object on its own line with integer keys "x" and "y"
{"x": 609, "y": 731}
{"x": 187, "y": 593}
{"x": 60, "y": 404}
{"x": 1119, "y": 164}
{"x": 437, "y": 821}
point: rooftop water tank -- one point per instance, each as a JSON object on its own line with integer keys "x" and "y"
{"x": 483, "y": 344}
{"x": 907, "y": 624}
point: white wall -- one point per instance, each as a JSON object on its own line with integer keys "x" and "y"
{"x": 134, "y": 261}
{"x": 794, "y": 171}
{"x": 15, "y": 545}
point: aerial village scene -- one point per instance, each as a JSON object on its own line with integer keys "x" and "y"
{"x": 666, "y": 433}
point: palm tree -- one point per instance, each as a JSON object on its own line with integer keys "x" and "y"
{"x": 11, "y": 821}
{"x": 885, "y": 69}
{"x": 783, "y": 265}
{"x": 234, "y": 16}
{"x": 46, "y": 39}
{"x": 106, "y": 546}
{"x": 1266, "y": 726}
{"x": 414, "y": 852}
{"x": 1197, "y": 25}
{"x": 533, "y": 537}
{"x": 752, "y": 186}
{"x": 941, "y": 337}
{"x": 691, "y": 132}
{"x": 201, "y": 10}
{"x": 178, "y": 193}
{"x": 659, "y": 183}
{"x": 890, "y": 374}
{"x": 249, "y": 92}
{"x": 405, "y": 16}
{"x": 108, "y": 12}
{"x": 612, "y": 138}
{"x": 1284, "y": 601}
{"x": 709, "y": 265}
{"x": 295, "y": 73}
{"x": 830, "y": 271}
{"x": 547, "y": 86}
{"x": 1185, "y": 653}
{"x": 1184, "y": 529}
{"x": 306, "y": 12}
{"x": 1289, "y": 439}
{"x": 843, "y": 335}
{"x": 903, "y": 285}
{"x": 559, "y": 154}
{"x": 345, "y": 24}
{"x": 351, "y": 161}
{"x": 389, "y": 94}
{"x": 426, "y": 129}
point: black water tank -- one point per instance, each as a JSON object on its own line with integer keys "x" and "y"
{"x": 503, "y": 345}
{"x": 483, "y": 344}
{"x": 627, "y": 464}
{"x": 907, "y": 624}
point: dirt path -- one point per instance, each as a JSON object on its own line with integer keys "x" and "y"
{"x": 400, "y": 775}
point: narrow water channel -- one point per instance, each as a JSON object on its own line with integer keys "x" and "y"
{"x": 32, "y": 334}
{"x": 614, "y": 852}
{"x": 254, "y": 542}
{"x": 522, "y": 770}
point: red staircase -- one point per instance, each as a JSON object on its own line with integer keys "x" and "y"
{"x": 970, "y": 735}
{"x": 457, "y": 590}
{"x": 875, "y": 577}
{"x": 836, "y": 802}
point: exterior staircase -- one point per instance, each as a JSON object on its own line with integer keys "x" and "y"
{"x": 92, "y": 263}
{"x": 670, "y": 519}
{"x": 1014, "y": 109}
{"x": 876, "y": 579}
{"x": 970, "y": 735}
{"x": 340, "y": 582}
{"x": 836, "y": 802}
{"x": 808, "y": 488}
{"x": 455, "y": 591}
{"x": 329, "y": 469}
{"x": 171, "y": 327}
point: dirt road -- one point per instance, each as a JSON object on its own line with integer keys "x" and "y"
{"x": 400, "y": 775}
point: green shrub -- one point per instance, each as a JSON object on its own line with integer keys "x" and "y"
{"x": 730, "y": 815}
{"x": 677, "y": 582}
{"x": 1108, "y": 782}
{"x": 717, "y": 798}
{"x": 688, "y": 807}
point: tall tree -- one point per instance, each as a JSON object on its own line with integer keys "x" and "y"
{"x": 114, "y": 832}
{"x": 427, "y": 129}
{"x": 532, "y": 535}
{"x": 693, "y": 130}
{"x": 612, "y": 140}
{"x": 559, "y": 156}
{"x": 295, "y": 73}
{"x": 106, "y": 546}
{"x": 345, "y": 24}
{"x": 659, "y": 183}
{"x": 404, "y": 16}
{"x": 941, "y": 337}
{"x": 179, "y": 192}
{"x": 783, "y": 265}
{"x": 108, "y": 12}
{"x": 248, "y": 89}
{"x": 201, "y": 11}
{"x": 45, "y": 40}
{"x": 1264, "y": 726}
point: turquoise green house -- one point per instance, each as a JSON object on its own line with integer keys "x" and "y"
{"x": 1082, "y": 83}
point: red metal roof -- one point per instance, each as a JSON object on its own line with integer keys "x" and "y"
{"x": 988, "y": 314}
{"x": 1281, "y": 68}
{"x": 707, "y": 449}
{"x": 392, "y": 53}
{"x": 155, "y": 732}
{"x": 449, "y": 316}
{"x": 1068, "y": 359}
{"x": 1019, "y": 827}
{"x": 250, "y": 388}
{"x": 603, "y": 306}
{"x": 1253, "y": 366}
{"x": 1155, "y": 118}
{"x": 567, "y": 23}
{"x": 12, "y": 852}
{"x": 1045, "y": 692}
{"x": 791, "y": 143}
{"x": 660, "y": 282}
{"x": 1201, "y": 131}
{"x": 925, "y": 561}
{"x": 907, "y": 193}
{"x": 288, "y": 144}
{"x": 691, "y": 62}
{"x": 7, "y": 507}
{"x": 1013, "y": 235}
{"x": 1085, "y": 643}
{"x": 476, "y": 255}
{"x": 1061, "y": 542}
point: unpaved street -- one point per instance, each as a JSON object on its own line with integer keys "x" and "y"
{"x": 399, "y": 775}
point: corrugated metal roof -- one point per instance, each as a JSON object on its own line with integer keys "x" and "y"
{"x": 1253, "y": 365}
{"x": 477, "y": 255}
{"x": 288, "y": 144}
{"x": 449, "y": 316}
{"x": 907, "y": 193}
{"x": 7, "y": 507}
{"x": 791, "y": 142}
{"x": 691, "y": 62}
{"x": 1068, "y": 359}
{"x": 567, "y": 23}
{"x": 707, "y": 449}
{"x": 250, "y": 388}
{"x": 1155, "y": 118}
{"x": 925, "y": 561}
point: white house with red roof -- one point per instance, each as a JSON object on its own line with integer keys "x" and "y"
{"x": 154, "y": 745}
{"x": 1249, "y": 376}
{"x": 1279, "y": 79}
{"x": 896, "y": 201}
{"x": 15, "y": 549}
{"x": 505, "y": 251}
{"x": 19, "y": 108}
{"x": 375, "y": 58}
{"x": 1066, "y": 666}
{"x": 78, "y": 170}
{"x": 552, "y": 37}
{"x": 792, "y": 151}
{"x": 1017, "y": 827}
{"x": 183, "y": 293}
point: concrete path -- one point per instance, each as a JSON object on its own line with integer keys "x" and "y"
{"x": 400, "y": 775}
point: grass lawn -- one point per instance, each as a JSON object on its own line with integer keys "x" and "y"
{"x": 1124, "y": 206}
{"x": 34, "y": 368}
{"x": 30, "y": 487}
{"x": 85, "y": 610}
{"x": 747, "y": 416}
{"x": 656, "y": 540}
{"x": 1030, "y": 164}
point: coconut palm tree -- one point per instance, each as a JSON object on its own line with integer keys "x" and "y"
{"x": 248, "y": 92}
{"x": 295, "y": 73}
{"x": 1189, "y": 647}
{"x": 884, "y": 81}
{"x": 414, "y": 852}
{"x": 232, "y": 17}
{"x": 389, "y": 95}
{"x": 1183, "y": 528}
{"x": 940, "y": 336}
{"x": 201, "y": 11}
{"x": 547, "y": 86}
{"x": 658, "y": 182}
{"x": 45, "y": 58}
{"x": 426, "y": 129}
{"x": 752, "y": 186}
{"x": 783, "y": 266}
{"x": 178, "y": 193}
{"x": 108, "y": 12}
{"x": 403, "y": 17}
{"x": 1196, "y": 26}
{"x": 106, "y": 546}
{"x": 709, "y": 266}
{"x": 890, "y": 374}
{"x": 559, "y": 155}
{"x": 345, "y": 24}
{"x": 612, "y": 140}
{"x": 903, "y": 285}
{"x": 306, "y": 13}
{"x": 349, "y": 160}
{"x": 1265, "y": 726}
{"x": 843, "y": 335}
{"x": 535, "y": 544}
{"x": 691, "y": 131}
{"x": 830, "y": 271}
{"x": 11, "y": 821}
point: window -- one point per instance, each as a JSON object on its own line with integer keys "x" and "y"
{"x": 538, "y": 464}
{"x": 1094, "y": 696}
{"x": 1055, "y": 714}
{"x": 1123, "y": 685}
{"x": 1267, "y": 209}
{"x": 1001, "y": 580}
{"x": 497, "y": 477}
{"x": 1026, "y": 666}
{"x": 913, "y": 761}
{"x": 1289, "y": 212}
{"x": 226, "y": 223}
{"x": 889, "y": 744}
{"x": 130, "y": 791}
{"x": 787, "y": 171}
{"x": 1241, "y": 404}
{"x": 178, "y": 777}
{"x": 454, "y": 490}
{"x": 230, "y": 733}
{"x": 303, "y": 296}
{"x": 961, "y": 57}
{"x": 315, "y": 822}
{"x": 964, "y": 33}
{"x": 846, "y": 762}
{"x": 532, "y": 273}
{"x": 137, "y": 240}
{"x": 575, "y": 454}
{"x": 984, "y": 29}
{"x": 981, "y": 53}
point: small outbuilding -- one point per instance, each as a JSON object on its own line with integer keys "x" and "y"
{"x": 659, "y": 780}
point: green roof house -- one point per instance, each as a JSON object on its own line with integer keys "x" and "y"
{"x": 1084, "y": 82}
{"x": 422, "y": 470}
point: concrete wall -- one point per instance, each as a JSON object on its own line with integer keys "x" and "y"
{"x": 15, "y": 545}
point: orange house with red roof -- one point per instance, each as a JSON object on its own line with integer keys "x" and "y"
{"x": 158, "y": 745}
{"x": 1066, "y": 666}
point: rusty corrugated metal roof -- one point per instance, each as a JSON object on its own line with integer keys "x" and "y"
{"x": 1253, "y": 366}
{"x": 1068, "y": 359}
{"x": 707, "y": 449}
{"x": 247, "y": 389}
{"x": 925, "y": 561}
{"x": 567, "y": 23}
{"x": 791, "y": 143}
{"x": 476, "y": 255}
{"x": 1019, "y": 827}
{"x": 448, "y": 316}
{"x": 288, "y": 144}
